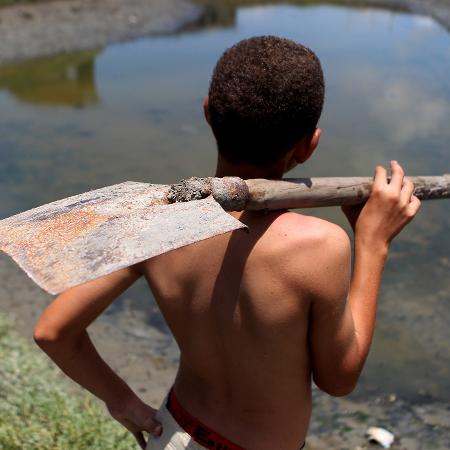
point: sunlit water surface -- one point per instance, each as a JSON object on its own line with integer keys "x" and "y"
{"x": 134, "y": 112}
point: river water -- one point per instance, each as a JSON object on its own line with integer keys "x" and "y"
{"x": 134, "y": 112}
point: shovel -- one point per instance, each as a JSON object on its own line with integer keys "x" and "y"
{"x": 80, "y": 238}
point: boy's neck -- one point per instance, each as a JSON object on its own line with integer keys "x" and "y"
{"x": 248, "y": 171}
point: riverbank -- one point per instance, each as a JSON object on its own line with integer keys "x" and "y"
{"x": 49, "y": 28}
{"x": 130, "y": 346}
{"x": 38, "y": 29}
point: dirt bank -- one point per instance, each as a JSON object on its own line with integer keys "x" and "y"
{"x": 48, "y": 28}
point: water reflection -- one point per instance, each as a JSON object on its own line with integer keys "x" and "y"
{"x": 218, "y": 13}
{"x": 418, "y": 114}
{"x": 64, "y": 80}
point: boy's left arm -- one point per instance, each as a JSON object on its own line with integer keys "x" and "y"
{"x": 61, "y": 333}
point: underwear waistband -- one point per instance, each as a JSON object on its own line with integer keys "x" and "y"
{"x": 199, "y": 432}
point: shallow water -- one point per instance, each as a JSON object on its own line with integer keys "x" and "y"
{"x": 134, "y": 112}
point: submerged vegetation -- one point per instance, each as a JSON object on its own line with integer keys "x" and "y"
{"x": 38, "y": 413}
{"x": 62, "y": 80}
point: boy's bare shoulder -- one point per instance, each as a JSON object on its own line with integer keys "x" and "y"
{"x": 309, "y": 240}
{"x": 305, "y": 230}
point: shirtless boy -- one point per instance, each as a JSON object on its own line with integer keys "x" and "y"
{"x": 256, "y": 315}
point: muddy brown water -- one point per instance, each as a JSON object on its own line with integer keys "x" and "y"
{"x": 134, "y": 112}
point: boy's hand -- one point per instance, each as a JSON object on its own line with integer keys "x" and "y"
{"x": 390, "y": 207}
{"x": 137, "y": 417}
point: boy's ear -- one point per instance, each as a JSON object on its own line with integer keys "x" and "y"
{"x": 305, "y": 148}
{"x": 206, "y": 109}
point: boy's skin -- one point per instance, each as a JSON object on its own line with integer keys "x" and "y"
{"x": 255, "y": 315}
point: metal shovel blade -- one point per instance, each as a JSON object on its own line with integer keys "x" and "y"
{"x": 80, "y": 238}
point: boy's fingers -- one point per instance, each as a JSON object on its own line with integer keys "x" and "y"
{"x": 153, "y": 427}
{"x": 414, "y": 206}
{"x": 380, "y": 179}
{"x": 407, "y": 192}
{"x": 397, "y": 175}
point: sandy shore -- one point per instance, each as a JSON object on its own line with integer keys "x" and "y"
{"x": 43, "y": 29}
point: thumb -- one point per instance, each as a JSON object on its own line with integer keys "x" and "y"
{"x": 153, "y": 427}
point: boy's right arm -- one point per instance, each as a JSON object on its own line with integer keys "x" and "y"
{"x": 342, "y": 326}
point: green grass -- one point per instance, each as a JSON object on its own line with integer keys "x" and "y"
{"x": 38, "y": 413}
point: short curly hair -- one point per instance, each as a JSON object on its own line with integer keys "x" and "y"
{"x": 266, "y": 94}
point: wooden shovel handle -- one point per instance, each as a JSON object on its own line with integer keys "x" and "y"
{"x": 316, "y": 192}
{"x": 235, "y": 194}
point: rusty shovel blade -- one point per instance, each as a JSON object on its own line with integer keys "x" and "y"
{"x": 80, "y": 238}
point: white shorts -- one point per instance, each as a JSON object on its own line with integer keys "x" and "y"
{"x": 173, "y": 436}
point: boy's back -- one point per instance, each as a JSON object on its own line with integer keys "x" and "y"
{"x": 239, "y": 308}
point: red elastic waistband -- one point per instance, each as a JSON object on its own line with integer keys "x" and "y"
{"x": 201, "y": 434}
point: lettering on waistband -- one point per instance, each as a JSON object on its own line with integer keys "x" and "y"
{"x": 199, "y": 432}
